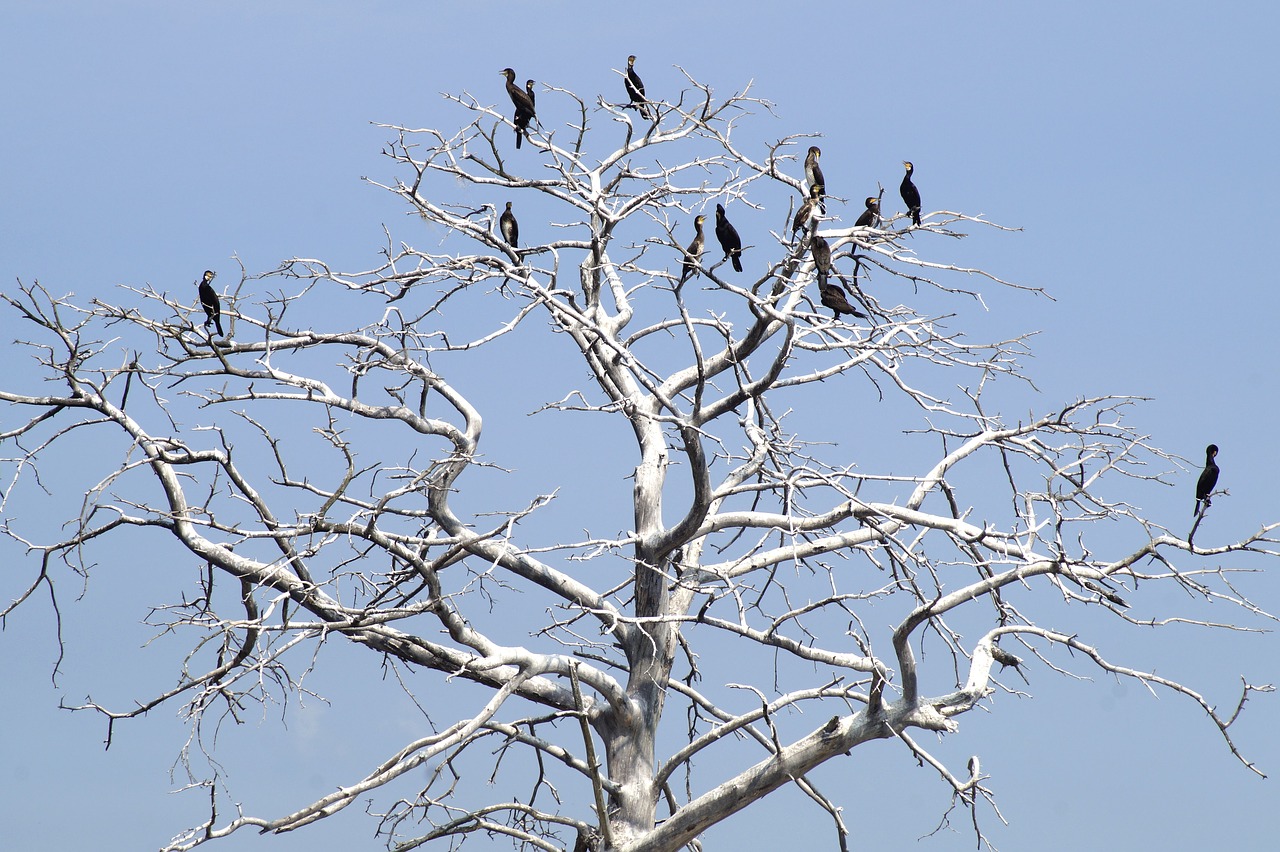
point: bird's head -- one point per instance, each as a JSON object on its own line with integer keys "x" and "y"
{"x": 209, "y": 275}
{"x": 816, "y": 190}
{"x": 1211, "y": 450}
{"x": 698, "y": 221}
{"x": 906, "y": 164}
{"x": 631, "y": 60}
{"x": 719, "y": 209}
{"x": 872, "y": 202}
{"x": 815, "y": 151}
{"x": 509, "y": 73}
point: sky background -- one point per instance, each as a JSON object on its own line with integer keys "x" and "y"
{"x": 1133, "y": 144}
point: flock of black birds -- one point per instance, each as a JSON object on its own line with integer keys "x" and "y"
{"x": 832, "y": 295}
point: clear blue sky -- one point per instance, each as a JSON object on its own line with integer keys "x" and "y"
{"x": 1134, "y": 144}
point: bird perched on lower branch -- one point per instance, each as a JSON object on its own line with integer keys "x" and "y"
{"x": 835, "y": 299}
{"x": 870, "y": 217}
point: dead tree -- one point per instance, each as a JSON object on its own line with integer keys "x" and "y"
{"x": 323, "y": 470}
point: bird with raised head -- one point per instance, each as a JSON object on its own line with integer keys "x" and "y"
{"x": 510, "y": 227}
{"x": 209, "y": 301}
{"x": 813, "y": 171}
{"x": 729, "y": 239}
{"x": 1208, "y": 478}
{"x": 523, "y": 104}
{"x": 910, "y": 195}
{"x": 693, "y": 254}
{"x": 635, "y": 89}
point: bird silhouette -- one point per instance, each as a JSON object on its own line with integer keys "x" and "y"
{"x": 209, "y": 301}
{"x": 1208, "y": 478}
{"x": 910, "y": 195}
{"x": 729, "y": 239}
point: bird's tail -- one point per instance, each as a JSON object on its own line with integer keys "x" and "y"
{"x": 737, "y": 261}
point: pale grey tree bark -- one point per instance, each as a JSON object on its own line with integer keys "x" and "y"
{"x": 315, "y": 465}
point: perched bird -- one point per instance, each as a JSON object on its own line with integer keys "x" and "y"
{"x": 1208, "y": 478}
{"x": 528, "y": 90}
{"x": 821, "y": 250}
{"x": 870, "y": 217}
{"x": 523, "y": 103}
{"x": 813, "y": 171}
{"x": 509, "y": 226}
{"x": 693, "y": 254}
{"x": 635, "y": 89}
{"x": 729, "y": 239}
{"x": 835, "y": 299}
{"x": 910, "y": 195}
{"x": 213, "y": 308}
{"x": 806, "y": 212}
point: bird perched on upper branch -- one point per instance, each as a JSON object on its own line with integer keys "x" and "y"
{"x": 729, "y": 239}
{"x": 523, "y": 103}
{"x": 635, "y": 89}
{"x": 209, "y": 301}
{"x": 510, "y": 227}
{"x": 693, "y": 254}
{"x": 813, "y": 171}
{"x": 910, "y": 195}
{"x": 807, "y": 209}
{"x": 1208, "y": 478}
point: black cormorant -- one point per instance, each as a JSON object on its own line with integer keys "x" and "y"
{"x": 835, "y": 299}
{"x": 213, "y": 308}
{"x": 528, "y": 90}
{"x": 729, "y": 239}
{"x": 870, "y": 217}
{"x": 910, "y": 195}
{"x": 1208, "y": 478}
{"x": 693, "y": 254}
{"x": 509, "y": 226}
{"x": 806, "y": 211}
{"x": 813, "y": 171}
{"x": 523, "y": 103}
{"x": 635, "y": 89}
{"x": 821, "y": 250}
